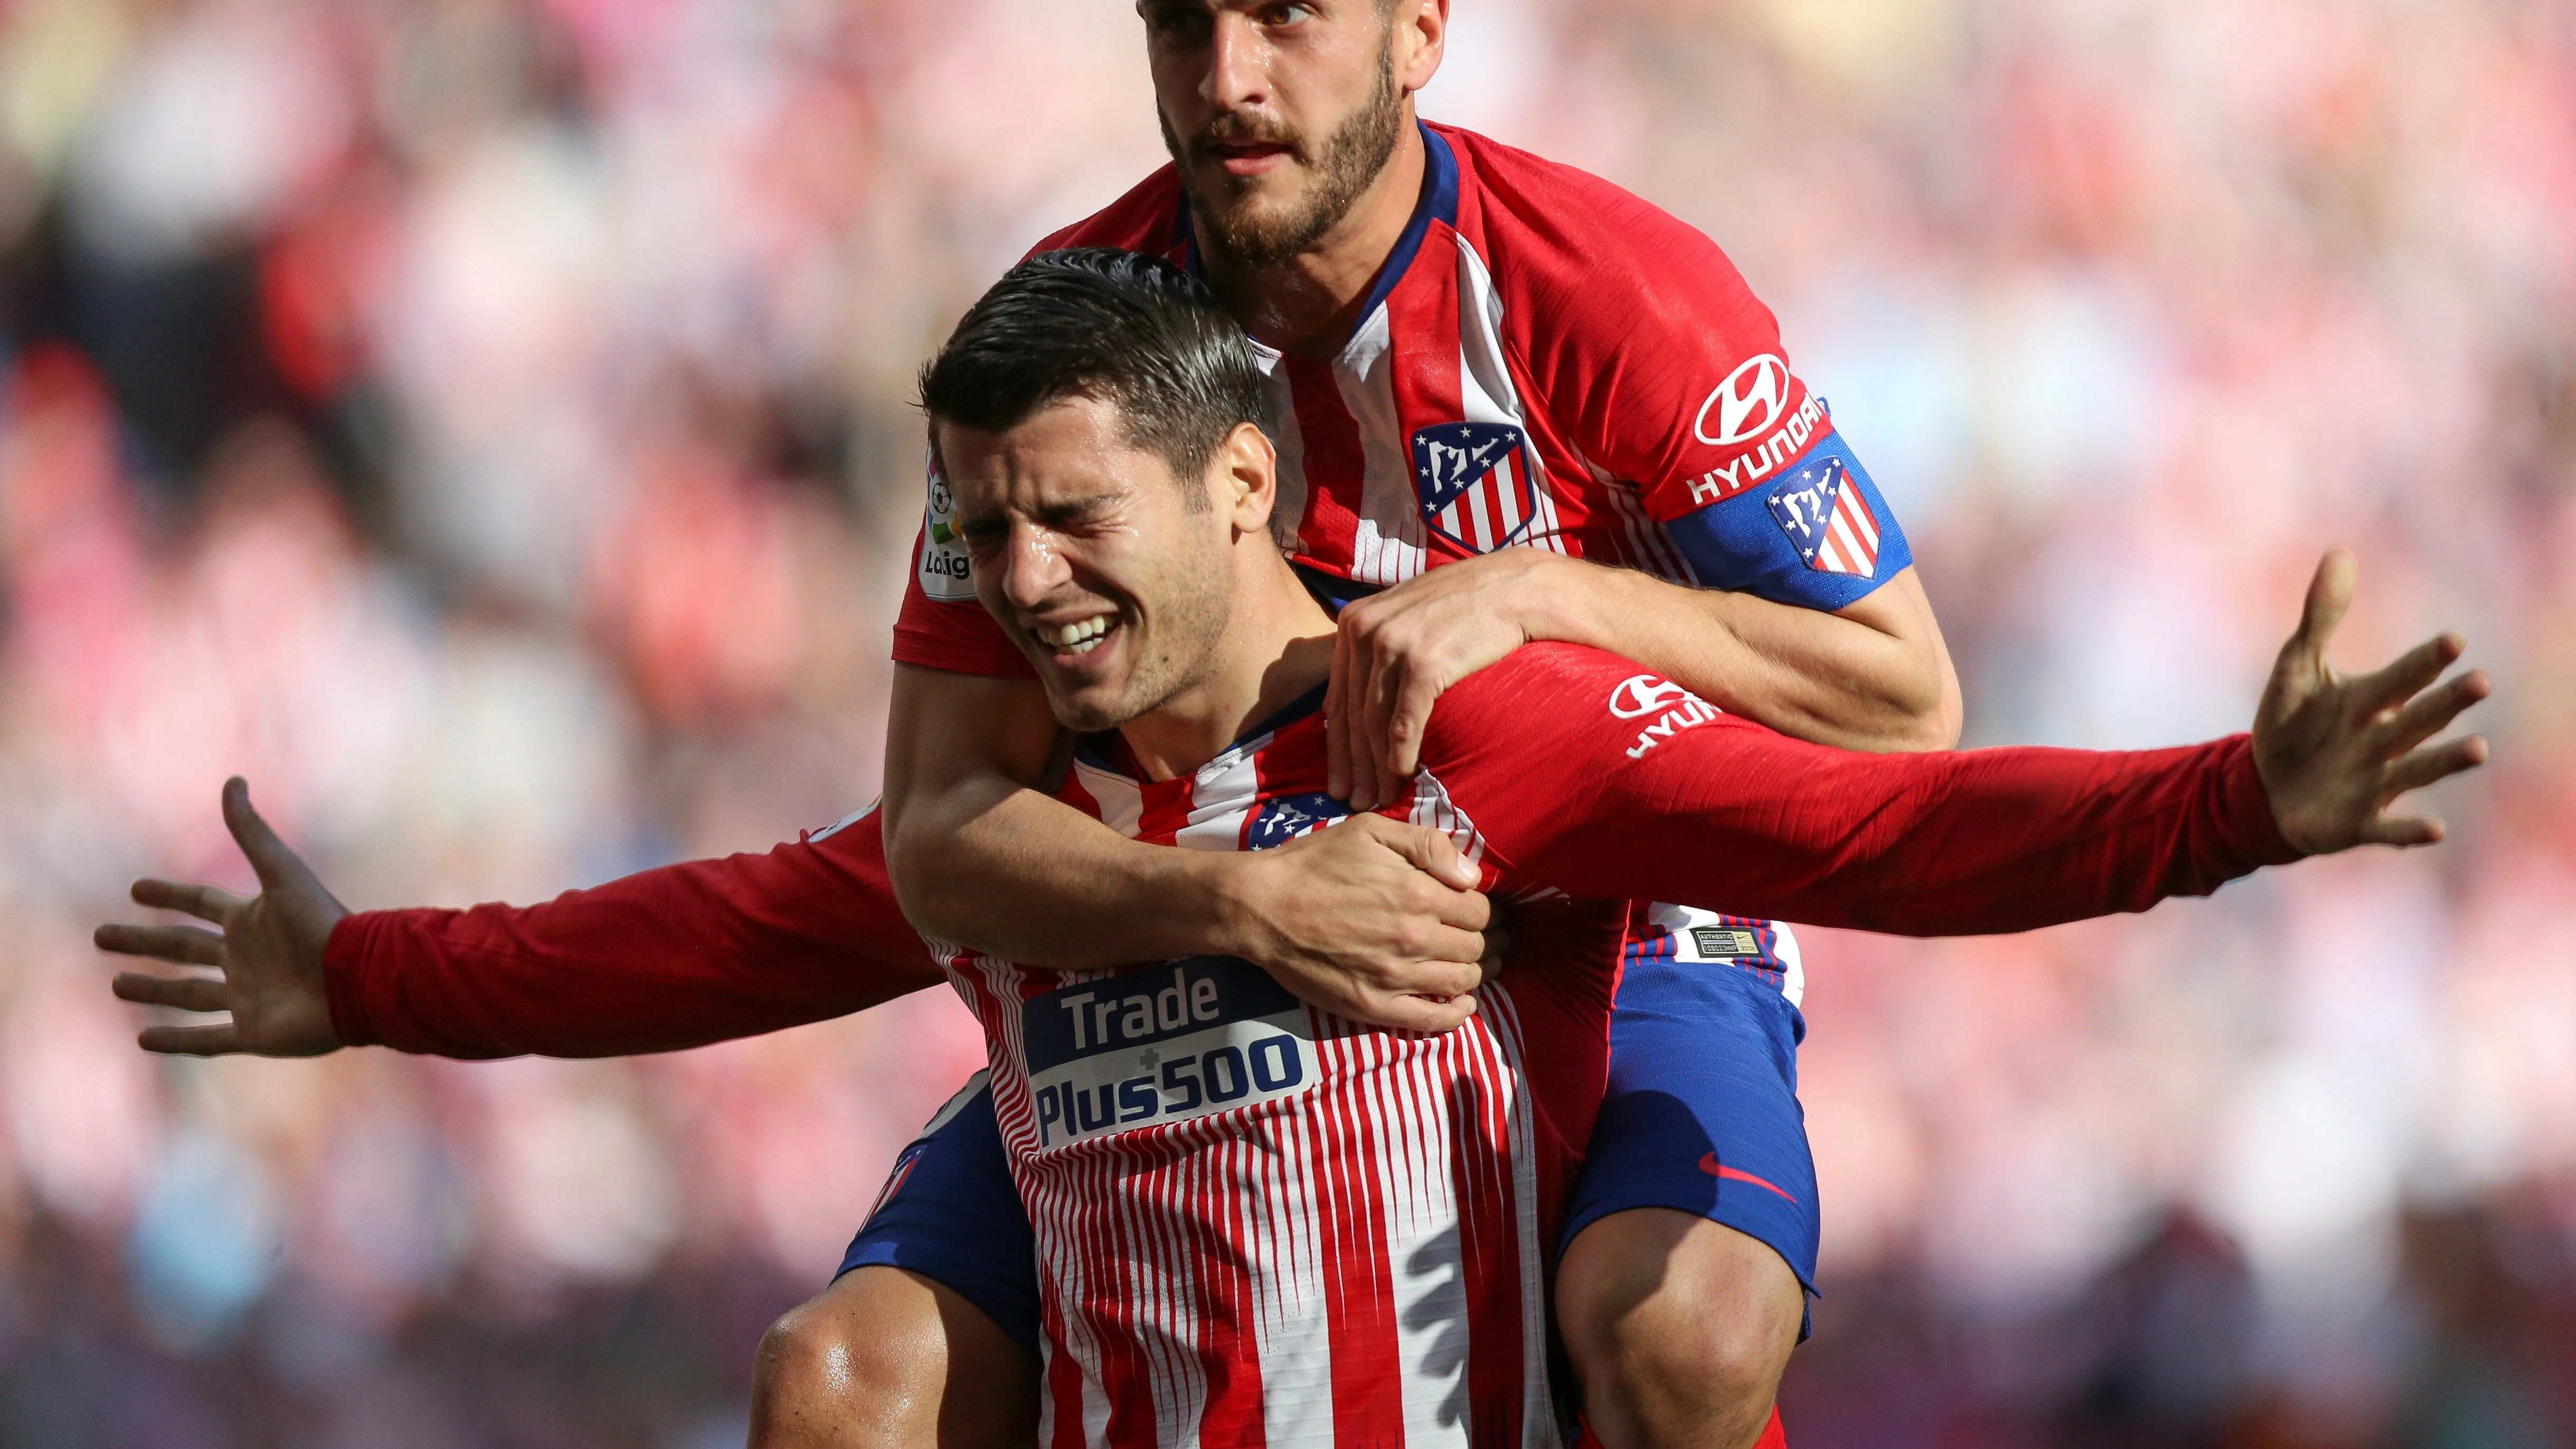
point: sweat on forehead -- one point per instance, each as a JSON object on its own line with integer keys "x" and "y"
{"x": 1130, "y": 329}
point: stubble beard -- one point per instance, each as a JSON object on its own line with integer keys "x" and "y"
{"x": 1352, "y": 157}
{"x": 1190, "y": 625}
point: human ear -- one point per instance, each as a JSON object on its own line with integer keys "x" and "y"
{"x": 1421, "y": 34}
{"x": 1248, "y": 478}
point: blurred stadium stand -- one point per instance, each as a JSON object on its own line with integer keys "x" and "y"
{"x": 485, "y": 424}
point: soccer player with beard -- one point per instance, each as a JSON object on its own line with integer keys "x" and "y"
{"x": 1357, "y": 1252}
{"x": 1262, "y": 1223}
{"x": 1492, "y": 375}
{"x": 1485, "y": 369}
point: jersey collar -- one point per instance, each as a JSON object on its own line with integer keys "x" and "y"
{"x": 1107, "y": 750}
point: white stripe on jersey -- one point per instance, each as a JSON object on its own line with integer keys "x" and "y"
{"x": 1221, "y": 798}
{"x": 1122, "y": 806}
{"x": 1281, "y": 400}
{"x": 1389, "y": 546}
{"x": 1486, "y": 395}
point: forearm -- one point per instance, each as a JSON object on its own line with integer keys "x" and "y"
{"x": 1947, "y": 844}
{"x": 1011, "y": 872}
{"x": 1875, "y": 676}
{"x": 669, "y": 958}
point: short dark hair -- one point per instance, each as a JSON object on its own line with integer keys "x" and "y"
{"x": 1131, "y": 329}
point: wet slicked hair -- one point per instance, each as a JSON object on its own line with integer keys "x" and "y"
{"x": 1132, "y": 330}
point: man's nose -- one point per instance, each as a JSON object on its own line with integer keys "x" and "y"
{"x": 1033, "y": 567}
{"x": 1238, "y": 63}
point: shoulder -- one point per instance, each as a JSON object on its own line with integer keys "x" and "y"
{"x": 1146, "y": 219}
{"x": 1552, "y": 232}
{"x": 1537, "y": 692}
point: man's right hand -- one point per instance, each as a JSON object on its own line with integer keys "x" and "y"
{"x": 1373, "y": 919}
{"x": 267, "y": 960}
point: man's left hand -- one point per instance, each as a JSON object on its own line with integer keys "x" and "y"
{"x": 1398, "y": 650}
{"x": 2335, "y": 750}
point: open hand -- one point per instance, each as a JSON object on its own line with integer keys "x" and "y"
{"x": 267, "y": 962}
{"x": 2335, "y": 751}
{"x": 1375, "y": 920}
{"x": 1395, "y": 653}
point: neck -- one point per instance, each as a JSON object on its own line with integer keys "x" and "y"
{"x": 1277, "y": 644}
{"x": 1309, "y": 303}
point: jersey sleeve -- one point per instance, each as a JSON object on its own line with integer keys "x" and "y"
{"x": 942, "y": 624}
{"x": 664, "y": 959}
{"x": 1669, "y": 374}
{"x": 1585, "y": 774}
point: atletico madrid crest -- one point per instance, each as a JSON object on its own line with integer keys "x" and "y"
{"x": 1474, "y": 482}
{"x": 1826, "y": 519}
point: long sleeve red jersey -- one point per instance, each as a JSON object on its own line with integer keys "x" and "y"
{"x": 1258, "y": 1222}
{"x": 674, "y": 957}
{"x": 1957, "y": 844}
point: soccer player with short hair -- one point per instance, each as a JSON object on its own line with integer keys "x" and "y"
{"x": 1484, "y": 368}
{"x": 1260, "y": 1223}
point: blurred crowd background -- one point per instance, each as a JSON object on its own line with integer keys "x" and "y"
{"x": 484, "y": 424}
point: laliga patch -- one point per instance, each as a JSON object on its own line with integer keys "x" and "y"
{"x": 1203, "y": 1035}
{"x": 1280, "y": 820}
{"x": 1473, "y": 480}
{"x": 1826, "y": 519}
{"x": 944, "y": 571}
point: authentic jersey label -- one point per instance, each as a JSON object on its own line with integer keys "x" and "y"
{"x": 1725, "y": 943}
{"x": 1827, "y": 520}
{"x": 1474, "y": 483}
{"x": 1207, "y": 1034}
{"x": 944, "y": 570}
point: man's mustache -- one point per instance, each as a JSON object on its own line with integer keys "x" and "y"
{"x": 1237, "y": 128}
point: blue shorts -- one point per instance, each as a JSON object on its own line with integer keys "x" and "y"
{"x": 1701, "y": 1116}
{"x": 950, "y": 1213}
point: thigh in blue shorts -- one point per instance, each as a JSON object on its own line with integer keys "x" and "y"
{"x": 950, "y": 1212}
{"x": 1702, "y": 1114}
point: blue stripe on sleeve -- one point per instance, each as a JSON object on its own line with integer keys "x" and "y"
{"x": 1778, "y": 540}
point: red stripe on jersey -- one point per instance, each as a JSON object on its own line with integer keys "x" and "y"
{"x": 1335, "y": 465}
{"x": 1489, "y": 1247}
{"x": 1359, "y": 1288}
{"x": 1166, "y": 812}
{"x": 1227, "y": 1338}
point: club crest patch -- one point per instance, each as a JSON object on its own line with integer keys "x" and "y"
{"x": 1827, "y": 520}
{"x": 1474, "y": 483}
{"x": 1283, "y": 818}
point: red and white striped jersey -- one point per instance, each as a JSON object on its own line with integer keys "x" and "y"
{"x": 1545, "y": 361}
{"x": 1260, "y": 1224}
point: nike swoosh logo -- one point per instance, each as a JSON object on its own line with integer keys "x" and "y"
{"x": 1709, "y": 1164}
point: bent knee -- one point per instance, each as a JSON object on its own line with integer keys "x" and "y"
{"x": 818, "y": 1382}
{"x": 1663, "y": 1307}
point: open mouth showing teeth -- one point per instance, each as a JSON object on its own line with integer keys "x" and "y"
{"x": 1079, "y": 637}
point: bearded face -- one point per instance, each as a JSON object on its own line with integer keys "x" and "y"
{"x": 1276, "y": 132}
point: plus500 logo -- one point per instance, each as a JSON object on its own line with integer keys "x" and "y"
{"x": 1204, "y": 1035}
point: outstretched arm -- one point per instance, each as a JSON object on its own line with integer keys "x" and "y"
{"x": 1671, "y": 799}
{"x": 667, "y": 958}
